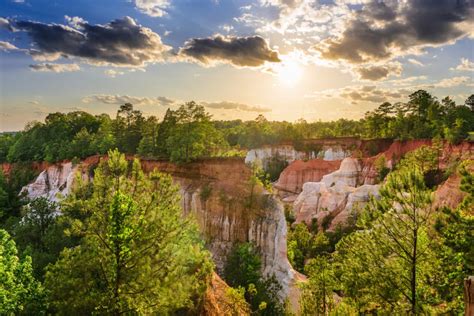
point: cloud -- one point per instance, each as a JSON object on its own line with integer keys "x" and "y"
{"x": 121, "y": 42}
{"x": 465, "y": 65}
{"x": 112, "y": 73}
{"x": 373, "y": 94}
{"x": 408, "y": 81}
{"x": 121, "y": 99}
{"x": 378, "y": 72}
{"x": 47, "y": 67}
{"x": 155, "y": 8}
{"x": 453, "y": 82}
{"x": 75, "y": 21}
{"x": 227, "y": 105}
{"x": 415, "y": 62}
{"x": 252, "y": 51}
{"x": 5, "y": 24}
{"x": 5, "y": 46}
{"x": 382, "y": 30}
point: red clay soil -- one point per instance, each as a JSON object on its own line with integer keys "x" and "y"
{"x": 299, "y": 172}
{"x": 448, "y": 194}
{"x": 217, "y": 301}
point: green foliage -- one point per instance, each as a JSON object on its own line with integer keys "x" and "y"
{"x": 11, "y": 201}
{"x": 61, "y": 136}
{"x": 274, "y": 167}
{"x": 137, "y": 253}
{"x": 455, "y": 246}
{"x": 381, "y": 167}
{"x": 299, "y": 245}
{"x": 194, "y": 135}
{"x": 206, "y": 192}
{"x": 243, "y": 269}
{"x": 304, "y": 244}
{"x": 390, "y": 264}
{"x": 317, "y": 294}
{"x": 423, "y": 116}
{"x": 188, "y": 133}
{"x": 6, "y": 141}
{"x": 40, "y": 234}
{"x": 20, "y": 293}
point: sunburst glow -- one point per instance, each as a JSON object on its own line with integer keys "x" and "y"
{"x": 289, "y": 72}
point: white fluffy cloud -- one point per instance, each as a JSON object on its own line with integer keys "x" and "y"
{"x": 464, "y": 65}
{"x": 155, "y": 8}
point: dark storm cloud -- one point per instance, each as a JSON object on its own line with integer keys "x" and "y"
{"x": 121, "y": 42}
{"x": 384, "y": 29}
{"x": 250, "y": 51}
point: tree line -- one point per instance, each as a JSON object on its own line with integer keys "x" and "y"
{"x": 189, "y": 132}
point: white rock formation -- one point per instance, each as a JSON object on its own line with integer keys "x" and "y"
{"x": 263, "y": 154}
{"x": 348, "y": 173}
{"x": 337, "y": 193}
{"x": 334, "y": 153}
{"x": 52, "y": 183}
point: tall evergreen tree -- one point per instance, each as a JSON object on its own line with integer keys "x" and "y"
{"x": 389, "y": 264}
{"x": 138, "y": 254}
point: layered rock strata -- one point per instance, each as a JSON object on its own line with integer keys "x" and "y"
{"x": 214, "y": 191}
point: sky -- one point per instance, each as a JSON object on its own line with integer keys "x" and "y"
{"x": 285, "y": 59}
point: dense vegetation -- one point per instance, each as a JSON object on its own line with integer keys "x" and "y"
{"x": 109, "y": 252}
{"x": 401, "y": 256}
{"x": 188, "y": 132}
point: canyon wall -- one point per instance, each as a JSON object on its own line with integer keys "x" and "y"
{"x": 327, "y": 149}
{"x": 215, "y": 192}
{"x": 317, "y": 188}
{"x": 338, "y": 195}
{"x": 337, "y": 183}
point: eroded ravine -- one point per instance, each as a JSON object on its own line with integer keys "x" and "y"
{"x": 335, "y": 179}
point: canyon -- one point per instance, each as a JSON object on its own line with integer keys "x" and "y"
{"x": 334, "y": 177}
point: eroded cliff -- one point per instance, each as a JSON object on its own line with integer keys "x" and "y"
{"x": 217, "y": 193}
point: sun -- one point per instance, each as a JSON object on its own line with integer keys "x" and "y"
{"x": 289, "y": 72}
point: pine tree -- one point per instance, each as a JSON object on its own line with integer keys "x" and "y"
{"x": 138, "y": 253}
{"x": 389, "y": 265}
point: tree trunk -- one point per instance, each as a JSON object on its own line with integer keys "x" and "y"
{"x": 413, "y": 273}
{"x": 469, "y": 296}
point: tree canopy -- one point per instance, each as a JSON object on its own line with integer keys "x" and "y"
{"x": 137, "y": 253}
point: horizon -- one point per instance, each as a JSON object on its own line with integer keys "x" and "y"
{"x": 317, "y": 60}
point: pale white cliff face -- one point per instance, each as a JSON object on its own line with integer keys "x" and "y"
{"x": 337, "y": 193}
{"x": 289, "y": 154}
{"x": 336, "y": 153}
{"x": 52, "y": 183}
{"x": 223, "y": 228}
{"x": 262, "y": 155}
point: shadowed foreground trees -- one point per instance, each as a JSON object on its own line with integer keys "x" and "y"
{"x": 138, "y": 254}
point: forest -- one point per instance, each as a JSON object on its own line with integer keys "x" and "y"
{"x": 120, "y": 245}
